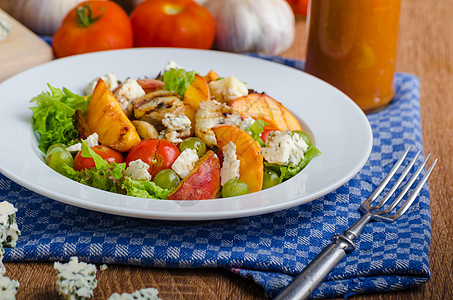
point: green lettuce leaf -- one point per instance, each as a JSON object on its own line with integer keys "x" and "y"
{"x": 53, "y": 117}
{"x": 144, "y": 189}
{"x": 178, "y": 80}
{"x": 287, "y": 172}
{"x": 111, "y": 177}
{"x": 256, "y": 129}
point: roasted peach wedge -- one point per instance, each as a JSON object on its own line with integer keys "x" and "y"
{"x": 150, "y": 85}
{"x": 248, "y": 152}
{"x": 203, "y": 182}
{"x": 106, "y": 117}
{"x": 262, "y": 106}
{"x": 196, "y": 92}
{"x": 211, "y": 76}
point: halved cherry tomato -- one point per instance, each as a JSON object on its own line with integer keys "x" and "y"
{"x": 158, "y": 154}
{"x": 93, "y": 26}
{"x": 265, "y": 134}
{"x": 107, "y": 153}
{"x": 172, "y": 23}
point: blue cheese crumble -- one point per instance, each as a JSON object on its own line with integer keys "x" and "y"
{"x": 8, "y": 288}
{"x": 111, "y": 81}
{"x": 9, "y": 231}
{"x": 126, "y": 93}
{"x": 138, "y": 170}
{"x": 92, "y": 141}
{"x": 2, "y": 266}
{"x": 284, "y": 148}
{"x": 230, "y": 166}
{"x": 185, "y": 162}
{"x": 178, "y": 126}
{"x": 143, "y": 294}
{"x": 227, "y": 89}
{"x": 75, "y": 280}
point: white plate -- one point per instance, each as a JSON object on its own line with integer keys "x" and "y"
{"x": 340, "y": 130}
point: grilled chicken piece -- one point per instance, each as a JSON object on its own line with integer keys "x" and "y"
{"x": 210, "y": 114}
{"x": 153, "y": 106}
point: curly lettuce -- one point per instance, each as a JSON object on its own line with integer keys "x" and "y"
{"x": 111, "y": 177}
{"x": 53, "y": 117}
{"x": 286, "y": 171}
{"x": 177, "y": 80}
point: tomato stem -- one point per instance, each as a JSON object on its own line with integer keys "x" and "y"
{"x": 85, "y": 15}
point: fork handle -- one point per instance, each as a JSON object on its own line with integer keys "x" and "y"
{"x": 306, "y": 282}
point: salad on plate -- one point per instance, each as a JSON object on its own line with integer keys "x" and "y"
{"x": 180, "y": 136}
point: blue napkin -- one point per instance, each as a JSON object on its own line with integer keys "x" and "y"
{"x": 270, "y": 248}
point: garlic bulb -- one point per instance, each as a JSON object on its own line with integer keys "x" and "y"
{"x": 262, "y": 26}
{"x": 42, "y": 16}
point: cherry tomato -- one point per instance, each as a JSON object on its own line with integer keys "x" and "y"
{"x": 93, "y": 26}
{"x": 107, "y": 153}
{"x": 172, "y": 23}
{"x": 158, "y": 154}
{"x": 265, "y": 134}
{"x": 299, "y": 7}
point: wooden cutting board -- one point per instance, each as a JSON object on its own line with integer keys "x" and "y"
{"x": 21, "y": 50}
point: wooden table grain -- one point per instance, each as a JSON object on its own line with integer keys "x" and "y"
{"x": 426, "y": 50}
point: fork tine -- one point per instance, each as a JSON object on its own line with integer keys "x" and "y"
{"x": 407, "y": 186}
{"x": 414, "y": 194}
{"x": 385, "y": 181}
{"x": 398, "y": 182}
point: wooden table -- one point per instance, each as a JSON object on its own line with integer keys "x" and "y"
{"x": 426, "y": 50}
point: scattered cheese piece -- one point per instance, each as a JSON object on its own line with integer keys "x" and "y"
{"x": 8, "y": 288}
{"x": 143, "y": 294}
{"x": 9, "y": 231}
{"x": 75, "y": 280}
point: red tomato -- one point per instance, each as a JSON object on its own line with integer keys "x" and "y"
{"x": 158, "y": 154}
{"x": 299, "y": 6}
{"x": 94, "y": 25}
{"x": 107, "y": 153}
{"x": 172, "y": 23}
{"x": 265, "y": 134}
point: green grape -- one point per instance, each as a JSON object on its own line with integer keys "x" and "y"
{"x": 57, "y": 156}
{"x": 167, "y": 179}
{"x": 234, "y": 187}
{"x": 57, "y": 145}
{"x": 193, "y": 143}
{"x": 270, "y": 178}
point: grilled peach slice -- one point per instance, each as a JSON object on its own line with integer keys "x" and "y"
{"x": 106, "y": 117}
{"x": 248, "y": 152}
{"x": 150, "y": 85}
{"x": 203, "y": 182}
{"x": 211, "y": 76}
{"x": 262, "y": 106}
{"x": 196, "y": 92}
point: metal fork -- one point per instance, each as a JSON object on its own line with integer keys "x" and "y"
{"x": 311, "y": 277}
